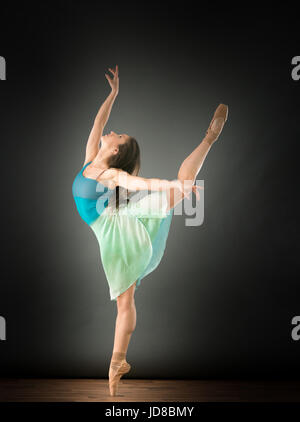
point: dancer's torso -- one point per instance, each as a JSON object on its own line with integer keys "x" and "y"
{"x": 91, "y": 197}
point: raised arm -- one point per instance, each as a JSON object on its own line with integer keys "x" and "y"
{"x": 92, "y": 146}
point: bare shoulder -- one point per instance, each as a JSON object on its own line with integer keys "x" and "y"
{"x": 110, "y": 177}
{"x": 111, "y": 173}
{"x": 107, "y": 174}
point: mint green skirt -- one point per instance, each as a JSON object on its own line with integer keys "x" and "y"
{"x": 132, "y": 240}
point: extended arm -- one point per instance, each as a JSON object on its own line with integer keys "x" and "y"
{"x": 104, "y": 111}
{"x": 92, "y": 146}
{"x": 117, "y": 177}
{"x": 126, "y": 180}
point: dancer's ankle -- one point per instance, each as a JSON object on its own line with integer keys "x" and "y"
{"x": 118, "y": 356}
{"x": 210, "y": 138}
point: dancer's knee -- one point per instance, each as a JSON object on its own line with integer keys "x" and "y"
{"x": 125, "y": 305}
{"x": 127, "y": 317}
{"x": 126, "y": 299}
{"x": 183, "y": 175}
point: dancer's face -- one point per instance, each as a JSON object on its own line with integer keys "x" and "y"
{"x": 112, "y": 140}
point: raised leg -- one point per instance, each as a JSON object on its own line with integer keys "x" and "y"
{"x": 192, "y": 164}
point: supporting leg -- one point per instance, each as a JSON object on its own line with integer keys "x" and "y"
{"x": 125, "y": 321}
{"x": 125, "y": 325}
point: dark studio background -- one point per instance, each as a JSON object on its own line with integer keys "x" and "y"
{"x": 221, "y": 302}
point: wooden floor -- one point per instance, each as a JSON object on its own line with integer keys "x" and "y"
{"x": 96, "y": 390}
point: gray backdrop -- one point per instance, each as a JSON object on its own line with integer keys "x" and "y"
{"x": 221, "y": 302}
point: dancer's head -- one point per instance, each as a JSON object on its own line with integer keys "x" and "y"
{"x": 111, "y": 141}
{"x": 122, "y": 152}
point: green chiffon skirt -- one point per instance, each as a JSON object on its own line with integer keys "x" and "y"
{"x": 132, "y": 240}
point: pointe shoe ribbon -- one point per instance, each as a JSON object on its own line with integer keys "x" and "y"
{"x": 217, "y": 123}
{"x": 116, "y": 371}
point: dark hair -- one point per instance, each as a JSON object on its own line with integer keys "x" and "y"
{"x": 127, "y": 159}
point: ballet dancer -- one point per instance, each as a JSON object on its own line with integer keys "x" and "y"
{"x": 132, "y": 235}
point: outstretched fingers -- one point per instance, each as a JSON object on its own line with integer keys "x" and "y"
{"x": 114, "y": 72}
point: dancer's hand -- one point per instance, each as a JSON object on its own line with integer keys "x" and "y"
{"x": 196, "y": 192}
{"x": 186, "y": 187}
{"x": 114, "y": 83}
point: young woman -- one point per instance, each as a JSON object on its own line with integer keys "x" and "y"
{"x": 132, "y": 234}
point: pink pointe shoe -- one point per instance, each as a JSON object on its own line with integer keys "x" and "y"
{"x": 217, "y": 123}
{"x": 116, "y": 371}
